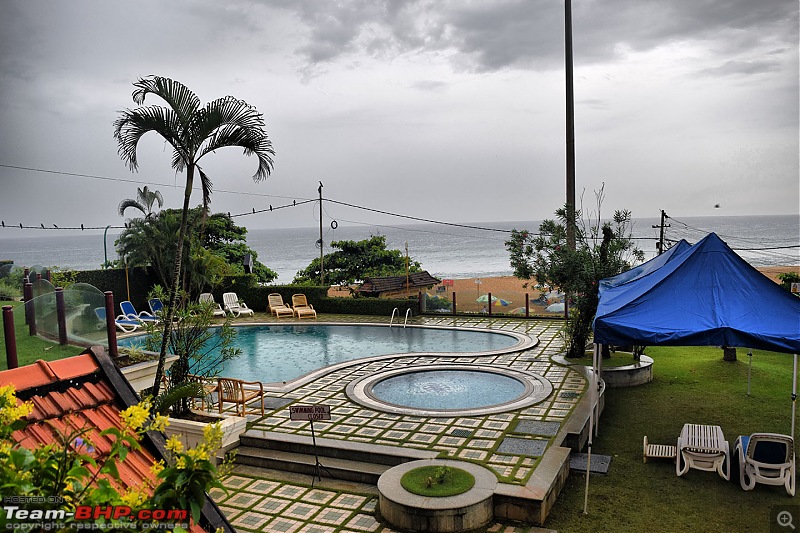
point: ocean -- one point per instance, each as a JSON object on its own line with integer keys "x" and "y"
{"x": 445, "y": 251}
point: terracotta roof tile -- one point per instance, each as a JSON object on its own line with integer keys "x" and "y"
{"x": 74, "y": 394}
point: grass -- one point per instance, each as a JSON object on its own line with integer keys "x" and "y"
{"x": 694, "y": 385}
{"x": 435, "y": 482}
{"x": 30, "y": 349}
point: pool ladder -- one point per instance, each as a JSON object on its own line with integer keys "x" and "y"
{"x": 396, "y": 310}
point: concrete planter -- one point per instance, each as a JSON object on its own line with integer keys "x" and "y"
{"x": 142, "y": 375}
{"x": 637, "y": 373}
{"x": 191, "y": 432}
{"x": 469, "y": 511}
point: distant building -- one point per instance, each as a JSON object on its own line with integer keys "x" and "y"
{"x": 395, "y": 286}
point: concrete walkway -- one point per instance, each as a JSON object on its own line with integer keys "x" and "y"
{"x": 510, "y": 443}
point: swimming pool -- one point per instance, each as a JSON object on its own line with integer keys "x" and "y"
{"x": 273, "y": 353}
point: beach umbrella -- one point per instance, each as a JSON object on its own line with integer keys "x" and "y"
{"x": 485, "y": 299}
{"x": 555, "y": 308}
{"x": 500, "y": 301}
{"x": 518, "y": 311}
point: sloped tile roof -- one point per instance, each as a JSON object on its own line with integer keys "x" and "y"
{"x": 397, "y": 283}
{"x": 88, "y": 392}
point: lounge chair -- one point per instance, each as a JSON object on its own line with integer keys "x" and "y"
{"x": 234, "y": 306}
{"x": 130, "y": 313}
{"x": 124, "y": 324}
{"x": 301, "y": 307}
{"x": 156, "y": 306}
{"x": 766, "y": 458}
{"x": 277, "y": 307}
{"x": 240, "y": 394}
{"x": 208, "y": 298}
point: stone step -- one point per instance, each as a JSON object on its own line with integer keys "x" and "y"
{"x": 302, "y": 463}
{"x": 332, "y": 448}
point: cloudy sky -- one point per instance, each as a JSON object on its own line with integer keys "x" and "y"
{"x": 448, "y": 110}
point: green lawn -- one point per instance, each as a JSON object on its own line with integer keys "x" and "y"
{"x": 690, "y": 385}
{"x": 29, "y": 349}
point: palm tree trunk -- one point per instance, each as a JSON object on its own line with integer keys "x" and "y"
{"x": 176, "y": 280}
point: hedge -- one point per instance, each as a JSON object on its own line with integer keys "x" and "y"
{"x": 141, "y": 280}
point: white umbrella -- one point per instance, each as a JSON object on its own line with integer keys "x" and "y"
{"x": 555, "y": 308}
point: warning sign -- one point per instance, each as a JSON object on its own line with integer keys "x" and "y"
{"x": 310, "y": 412}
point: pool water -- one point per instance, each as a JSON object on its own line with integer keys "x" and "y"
{"x": 448, "y": 389}
{"x": 283, "y": 353}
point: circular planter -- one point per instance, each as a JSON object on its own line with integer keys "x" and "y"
{"x": 636, "y": 373}
{"x": 468, "y": 511}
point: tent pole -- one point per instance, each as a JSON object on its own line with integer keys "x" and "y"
{"x": 749, "y": 368}
{"x": 592, "y": 393}
{"x": 794, "y": 394}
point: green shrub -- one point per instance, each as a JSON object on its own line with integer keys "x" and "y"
{"x": 9, "y": 291}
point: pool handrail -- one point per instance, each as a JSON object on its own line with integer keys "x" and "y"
{"x": 408, "y": 312}
{"x": 391, "y": 320}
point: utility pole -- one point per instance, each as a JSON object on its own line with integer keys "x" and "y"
{"x": 321, "y": 245}
{"x": 660, "y": 243}
{"x": 570, "y": 111}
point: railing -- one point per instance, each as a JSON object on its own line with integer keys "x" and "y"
{"x": 408, "y": 312}
{"x": 391, "y": 320}
{"x": 501, "y": 303}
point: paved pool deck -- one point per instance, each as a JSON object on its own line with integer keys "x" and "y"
{"x": 510, "y": 444}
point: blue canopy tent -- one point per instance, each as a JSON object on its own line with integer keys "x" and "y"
{"x": 700, "y": 295}
{"x": 704, "y": 296}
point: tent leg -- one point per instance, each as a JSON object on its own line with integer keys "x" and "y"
{"x": 592, "y": 399}
{"x": 794, "y": 394}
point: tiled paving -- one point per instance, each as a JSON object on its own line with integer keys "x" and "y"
{"x": 509, "y": 443}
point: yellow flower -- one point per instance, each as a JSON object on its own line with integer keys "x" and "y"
{"x": 198, "y": 454}
{"x": 180, "y": 464}
{"x": 135, "y": 416}
{"x": 159, "y": 423}
{"x": 157, "y": 467}
{"x": 174, "y": 444}
{"x": 134, "y": 498}
{"x": 212, "y": 435}
{"x": 10, "y": 408}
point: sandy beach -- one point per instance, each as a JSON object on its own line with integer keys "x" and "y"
{"x": 513, "y": 290}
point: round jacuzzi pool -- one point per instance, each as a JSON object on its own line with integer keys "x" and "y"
{"x": 445, "y": 390}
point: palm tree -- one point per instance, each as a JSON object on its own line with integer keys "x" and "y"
{"x": 145, "y": 198}
{"x": 193, "y": 132}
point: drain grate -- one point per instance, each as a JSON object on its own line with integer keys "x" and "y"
{"x": 569, "y": 395}
{"x": 461, "y": 433}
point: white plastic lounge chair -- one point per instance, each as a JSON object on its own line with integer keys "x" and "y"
{"x": 766, "y": 458}
{"x": 208, "y": 298}
{"x": 277, "y": 307}
{"x": 301, "y": 307}
{"x": 130, "y": 313}
{"x": 124, "y": 324}
{"x": 235, "y": 307}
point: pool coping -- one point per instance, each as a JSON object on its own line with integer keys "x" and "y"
{"x": 359, "y": 391}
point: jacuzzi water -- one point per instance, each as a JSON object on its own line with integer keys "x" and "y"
{"x": 283, "y": 353}
{"x": 448, "y": 389}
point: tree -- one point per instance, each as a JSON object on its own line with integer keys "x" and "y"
{"x": 215, "y": 247}
{"x": 603, "y": 249}
{"x": 355, "y": 260}
{"x": 192, "y": 131}
{"x": 145, "y": 198}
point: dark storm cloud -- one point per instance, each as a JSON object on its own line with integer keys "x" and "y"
{"x": 529, "y": 34}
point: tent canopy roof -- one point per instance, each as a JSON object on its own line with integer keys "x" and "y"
{"x": 701, "y": 295}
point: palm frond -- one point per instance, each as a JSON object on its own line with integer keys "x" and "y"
{"x": 129, "y": 202}
{"x": 174, "y": 394}
{"x": 179, "y": 97}
{"x": 206, "y": 186}
{"x": 134, "y": 123}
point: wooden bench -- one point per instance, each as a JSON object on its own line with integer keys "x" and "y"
{"x": 658, "y": 451}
